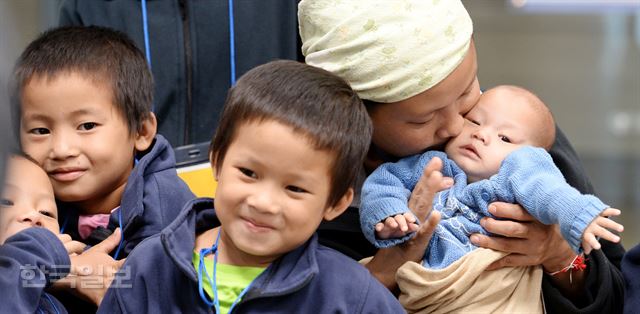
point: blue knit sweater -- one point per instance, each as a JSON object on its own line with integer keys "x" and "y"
{"x": 527, "y": 176}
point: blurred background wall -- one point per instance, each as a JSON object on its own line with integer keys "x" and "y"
{"x": 582, "y": 57}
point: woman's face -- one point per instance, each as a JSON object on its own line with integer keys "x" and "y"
{"x": 430, "y": 118}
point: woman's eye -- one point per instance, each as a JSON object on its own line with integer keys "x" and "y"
{"x": 39, "y": 131}
{"x": 87, "y": 126}
{"x": 505, "y": 139}
{"x": 248, "y": 173}
{"x": 296, "y": 189}
{"x": 423, "y": 120}
{"x": 6, "y": 202}
{"x": 472, "y": 121}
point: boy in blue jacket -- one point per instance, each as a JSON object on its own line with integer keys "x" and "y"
{"x": 85, "y": 99}
{"x": 285, "y": 157}
{"x": 500, "y": 155}
{"x": 30, "y": 258}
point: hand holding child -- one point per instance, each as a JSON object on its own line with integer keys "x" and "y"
{"x": 93, "y": 271}
{"x": 73, "y": 247}
{"x": 396, "y": 226}
{"x": 599, "y": 228}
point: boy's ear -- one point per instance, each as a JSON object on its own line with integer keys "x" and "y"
{"x": 146, "y": 134}
{"x": 339, "y": 208}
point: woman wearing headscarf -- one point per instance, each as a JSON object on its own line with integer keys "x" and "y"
{"x": 414, "y": 65}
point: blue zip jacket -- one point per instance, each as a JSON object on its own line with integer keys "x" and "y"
{"x": 527, "y": 176}
{"x": 29, "y": 261}
{"x": 151, "y": 201}
{"x": 309, "y": 279}
{"x": 190, "y": 50}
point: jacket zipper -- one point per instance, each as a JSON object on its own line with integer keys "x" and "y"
{"x": 184, "y": 12}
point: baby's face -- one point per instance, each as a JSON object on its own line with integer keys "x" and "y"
{"x": 27, "y": 199}
{"x": 495, "y": 127}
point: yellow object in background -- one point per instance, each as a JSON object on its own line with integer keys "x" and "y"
{"x": 200, "y": 179}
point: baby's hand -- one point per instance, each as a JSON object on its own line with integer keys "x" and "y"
{"x": 396, "y": 226}
{"x": 600, "y": 227}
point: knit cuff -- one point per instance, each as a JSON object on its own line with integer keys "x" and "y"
{"x": 371, "y": 215}
{"x": 574, "y": 231}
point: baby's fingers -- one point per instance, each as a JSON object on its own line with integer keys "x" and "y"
{"x": 605, "y": 234}
{"x": 609, "y": 224}
{"x": 611, "y": 212}
{"x": 586, "y": 247}
{"x": 382, "y": 231}
{"x": 390, "y": 223}
{"x": 402, "y": 223}
{"x": 591, "y": 241}
{"x": 409, "y": 217}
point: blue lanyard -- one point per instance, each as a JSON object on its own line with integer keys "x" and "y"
{"x": 145, "y": 30}
{"x": 232, "y": 45}
{"x": 53, "y": 305}
{"x": 117, "y": 253}
{"x": 232, "y": 40}
{"x": 202, "y": 269}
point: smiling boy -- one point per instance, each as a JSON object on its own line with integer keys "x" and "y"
{"x": 285, "y": 156}
{"x": 84, "y": 99}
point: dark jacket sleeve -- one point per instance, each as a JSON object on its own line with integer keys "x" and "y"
{"x": 631, "y": 273}
{"x": 604, "y": 284}
{"x": 29, "y": 262}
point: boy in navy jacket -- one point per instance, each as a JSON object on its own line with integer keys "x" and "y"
{"x": 285, "y": 158}
{"x": 85, "y": 97}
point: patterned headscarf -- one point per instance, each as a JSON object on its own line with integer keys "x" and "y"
{"x": 388, "y": 50}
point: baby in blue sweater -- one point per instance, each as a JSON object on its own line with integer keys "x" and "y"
{"x": 501, "y": 155}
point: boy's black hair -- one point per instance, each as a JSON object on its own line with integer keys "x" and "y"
{"x": 319, "y": 105}
{"x": 103, "y": 55}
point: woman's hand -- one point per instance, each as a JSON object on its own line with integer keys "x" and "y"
{"x": 530, "y": 243}
{"x": 386, "y": 262}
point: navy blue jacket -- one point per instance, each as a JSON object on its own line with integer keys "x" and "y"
{"x": 29, "y": 261}
{"x": 309, "y": 279}
{"x": 189, "y": 48}
{"x": 151, "y": 200}
{"x": 631, "y": 273}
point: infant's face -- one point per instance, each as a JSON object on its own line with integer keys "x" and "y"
{"x": 27, "y": 199}
{"x": 495, "y": 127}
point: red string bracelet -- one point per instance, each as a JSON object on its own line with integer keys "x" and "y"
{"x": 578, "y": 264}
